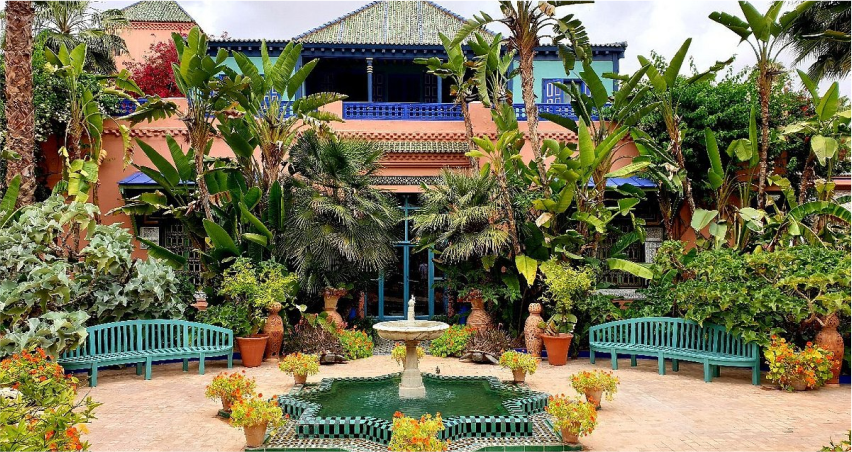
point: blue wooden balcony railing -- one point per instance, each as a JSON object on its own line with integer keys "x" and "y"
{"x": 401, "y": 111}
{"x": 557, "y": 109}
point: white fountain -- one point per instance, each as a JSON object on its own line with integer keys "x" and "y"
{"x": 411, "y": 331}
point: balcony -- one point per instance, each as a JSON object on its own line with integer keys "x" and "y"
{"x": 565, "y": 110}
{"x": 401, "y": 111}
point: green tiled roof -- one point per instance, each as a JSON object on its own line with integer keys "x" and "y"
{"x": 156, "y": 11}
{"x": 431, "y": 147}
{"x": 391, "y": 23}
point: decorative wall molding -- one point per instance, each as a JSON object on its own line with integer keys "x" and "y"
{"x": 424, "y": 160}
{"x": 171, "y": 26}
{"x": 405, "y": 180}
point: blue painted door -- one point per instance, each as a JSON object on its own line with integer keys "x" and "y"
{"x": 551, "y": 94}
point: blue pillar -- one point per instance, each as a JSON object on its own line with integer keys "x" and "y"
{"x": 369, "y": 79}
{"x": 440, "y": 90}
{"x": 301, "y": 91}
{"x": 431, "y": 280}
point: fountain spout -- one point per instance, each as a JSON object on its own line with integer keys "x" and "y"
{"x": 411, "y": 309}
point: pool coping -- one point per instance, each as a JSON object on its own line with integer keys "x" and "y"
{"x": 516, "y": 424}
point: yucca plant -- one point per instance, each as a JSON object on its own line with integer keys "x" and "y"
{"x": 338, "y": 226}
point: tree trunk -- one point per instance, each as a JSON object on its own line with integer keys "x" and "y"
{"x": 468, "y": 131}
{"x": 510, "y": 212}
{"x": 198, "y": 137}
{"x": 764, "y": 90}
{"x": 673, "y": 126}
{"x": 528, "y": 90}
{"x": 20, "y": 118}
{"x": 807, "y": 177}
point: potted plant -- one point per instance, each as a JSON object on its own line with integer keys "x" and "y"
{"x": 230, "y": 388}
{"x": 519, "y": 363}
{"x": 563, "y": 286}
{"x": 594, "y": 385}
{"x": 330, "y": 296}
{"x": 476, "y": 286}
{"x": 411, "y": 435}
{"x": 573, "y": 417}
{"x": 255, "y": 415}
{"x": 798, "y": 370}
{"x": 243, "y": 322}
{"x": 257, "y": 288}
{"x": 299, "y": 365}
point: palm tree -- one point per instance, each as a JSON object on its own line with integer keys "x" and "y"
{"x": 338, "y": 227}
{"x": 525, "y": 22}
{"x": 821, "y": 35}
{"x": 75, "y": 22}
{"x": 20, "y": 119}
{"x": 460, "y": 216}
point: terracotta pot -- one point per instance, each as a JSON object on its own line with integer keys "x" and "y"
{"x": 569, "y": 437}
{"x": 595, "y": 396}
{"x": 252, "y": 349}
{"x": 300, "y": 379}
{"x": 255, "y": 434}
{"x": 798, "y": 384}
{"x": 520, "y": 375}
{"x": 557, "y": 348}
{"x": 274, "y": 327}
{"x": 226, "y": 405}
{"x": 478, "y": 318}
{"x": 532, "y": 332}
{"x": 830, "y": 340}
{"x": 331, "y": 309}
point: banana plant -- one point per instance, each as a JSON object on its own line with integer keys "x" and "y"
{"x": 765, "y": 35}
{"x": 274, "y": 116}
{"x": 658, "y": 165}
{"x": 82, "y": 148}
{"x": 494, "y": 69}
{"x": 664, "y": 94}
{"x": 827, "y": 130}
{"x": 212, "y": 90}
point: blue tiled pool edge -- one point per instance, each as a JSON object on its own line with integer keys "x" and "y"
{"x": 516, "y": 424}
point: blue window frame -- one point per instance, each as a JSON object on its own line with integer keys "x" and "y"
{"x": 551, "y": 94}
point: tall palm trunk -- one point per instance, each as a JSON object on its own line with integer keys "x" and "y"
{"x": 196, "y": 123}
{"x": 525, "y": 65}
{"x": 673, "y": 129}
{"x": 764, "y": 90}
{"x": 20, "y": 118}
{"x": 468, "y": 132}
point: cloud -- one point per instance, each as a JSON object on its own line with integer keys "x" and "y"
{"x": 660, "y": 25}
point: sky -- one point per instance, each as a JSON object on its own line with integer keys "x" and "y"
{"x": 660, "y": 25}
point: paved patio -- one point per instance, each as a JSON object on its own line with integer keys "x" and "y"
{"x": 677, "y": 411}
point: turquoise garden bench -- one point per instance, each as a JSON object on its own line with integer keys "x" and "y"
{"x": 675, "y": 339}
{"x": 145, "y": 341}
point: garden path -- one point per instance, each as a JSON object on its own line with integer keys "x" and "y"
{"x": 677, "y": 412}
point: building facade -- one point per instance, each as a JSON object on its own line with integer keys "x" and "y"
{"x": 369, "y": 55}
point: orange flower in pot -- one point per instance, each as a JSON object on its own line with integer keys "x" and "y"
{"x": 230, "y": 388}
{"x": 573, "y": 418}
{"x": 300, "y": 366}
{"x": 255, "y": 415}
{"x": 595, "y": 385}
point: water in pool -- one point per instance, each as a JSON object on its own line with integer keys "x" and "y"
{"x": 380, "y": 399}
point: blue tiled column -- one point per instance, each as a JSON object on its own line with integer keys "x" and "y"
{"x": 369, "y": 79}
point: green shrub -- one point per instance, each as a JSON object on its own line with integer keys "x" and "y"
{"x": 356, "y": 344}
{"x": 452, "y": 342}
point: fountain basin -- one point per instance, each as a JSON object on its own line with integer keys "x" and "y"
{"x": 363, "y": 407}
{"x": 410, "y": 330}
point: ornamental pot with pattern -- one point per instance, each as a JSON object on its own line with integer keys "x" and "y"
{"x": 532, "y": 332}
{"x": 478, "y": 318}
{"x": 557, "y": 348}
{"x": 274, "y": 327}
{"x": 594, "y": 396}
{"x": 569, "y": 437}
{"x": 830, "y": 340}
{"x": 252, "y": 349}
{"x": 331, "y": 310}
{"x": 300, "y": 379}
{"x": 255, "y": 434}
{"x": 520, "y": 375}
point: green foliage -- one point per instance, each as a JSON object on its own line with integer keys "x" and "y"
{"x": 40, "y": 271}
{"x": 258, "y": 286}
{"x": 356, "y": 344}
{"x": 565, "y": 285}
{"x": 53, "y": 332}
{"x": 39, "y": 409}
{"x": 237, "y": 317}
{"x": 844, "y": 445}
{"x": 451, "y": 342}
{"x": 338, "y": 226}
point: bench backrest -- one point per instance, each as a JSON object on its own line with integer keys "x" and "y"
{"x": 676, "y": 333}
{"x": 145, "y": 335}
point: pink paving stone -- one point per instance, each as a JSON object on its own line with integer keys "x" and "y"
{"x": 678, "y": 411}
